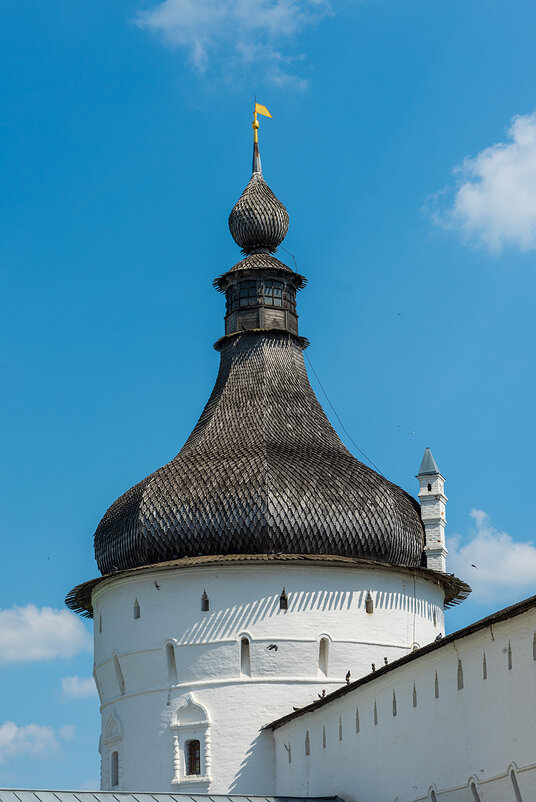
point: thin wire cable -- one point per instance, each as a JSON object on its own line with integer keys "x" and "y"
{"x": 290, "y": 254}
{"x": 343, "y": 427}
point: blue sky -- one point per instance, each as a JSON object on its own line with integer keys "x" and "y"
{"x": 403, "y": 143}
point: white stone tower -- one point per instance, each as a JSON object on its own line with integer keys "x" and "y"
{"x": 258, "y": 567}
{"x": 433, "y": 503}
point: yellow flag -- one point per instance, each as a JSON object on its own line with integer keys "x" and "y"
{"x": 262, "y": 110}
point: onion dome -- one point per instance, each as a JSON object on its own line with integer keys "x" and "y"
{"x": 258, "y": 221}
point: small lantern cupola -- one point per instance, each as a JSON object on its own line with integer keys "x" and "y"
{"x": 260, "y": 290}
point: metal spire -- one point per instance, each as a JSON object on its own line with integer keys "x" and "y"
{"x": 428, "y": 464}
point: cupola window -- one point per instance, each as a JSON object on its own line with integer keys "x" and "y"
{"x": 137, "y": 612}
{"x": 231, "y": 296}
{"x": 193, "y": 757}
{"x": 290, "y": 296}
{"x": 248, "y": 293}
{"x": 283, "y": 600}
{"x": 205, "y": 604}
{"x": 273, "y": 293}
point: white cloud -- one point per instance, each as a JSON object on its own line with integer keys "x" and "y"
{"x": 40, "y": 633}
{"x": 505, "y": 568}
{"x": 31, "y": 739}
{"x": 494, "y": 203}
{"x": 242, "y": 32}
{"x": 67, "y": 732}
{"x": 78, "y": 688}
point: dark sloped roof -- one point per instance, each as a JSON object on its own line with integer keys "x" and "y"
{"x": 264, "y": 262}
{"x": 263, "y": 471}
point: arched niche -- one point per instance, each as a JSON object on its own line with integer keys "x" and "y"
{"x": 190, "y": 723}
{"x": 110, "y": 749}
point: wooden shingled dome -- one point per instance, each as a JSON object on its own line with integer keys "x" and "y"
{"x": 263, "y": 471}
{"x": 258, "y": 220}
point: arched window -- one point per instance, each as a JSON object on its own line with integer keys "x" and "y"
{"x": 340, "y": 728}
{"x": 429, "y": 487}
{"x": 509, "y": 657}
{"x": 436, "y": 686}
{"x": 515, "y": 786}
{"x": 171, "y": 664}
{"x": 357, "y": 720}
{"x": 323, "y": 656}
{"x": 375, "y": 712}
{"x": 100, "y": 622}
{"x": 245, "y": 662}
{"x": 193, "y": 757}
{"x": 394, "y": 704}
{"x": 307, "y": 743}
{"x": 460, "y": 675}
{"x": 137, "y": 612}
{"x": 283, "y": 600}
{"x": 114, "y": 769}
{"x": 474, "y": 792}
{"x": 369, "y": 603}
{"x": 324, "y": 739}
{"x": 484, "y": 667}
{"x": 205, "y": 604}
{"x": 414, "y": 696}
{"x": 433, "y": 795}
{"x": 119, "y": 675}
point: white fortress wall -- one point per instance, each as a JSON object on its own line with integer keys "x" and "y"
{"x": 169, "y": 672}
{"x": 404, "y": 736}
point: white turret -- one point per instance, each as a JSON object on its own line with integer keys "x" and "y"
{"x": 433, "y": 502}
